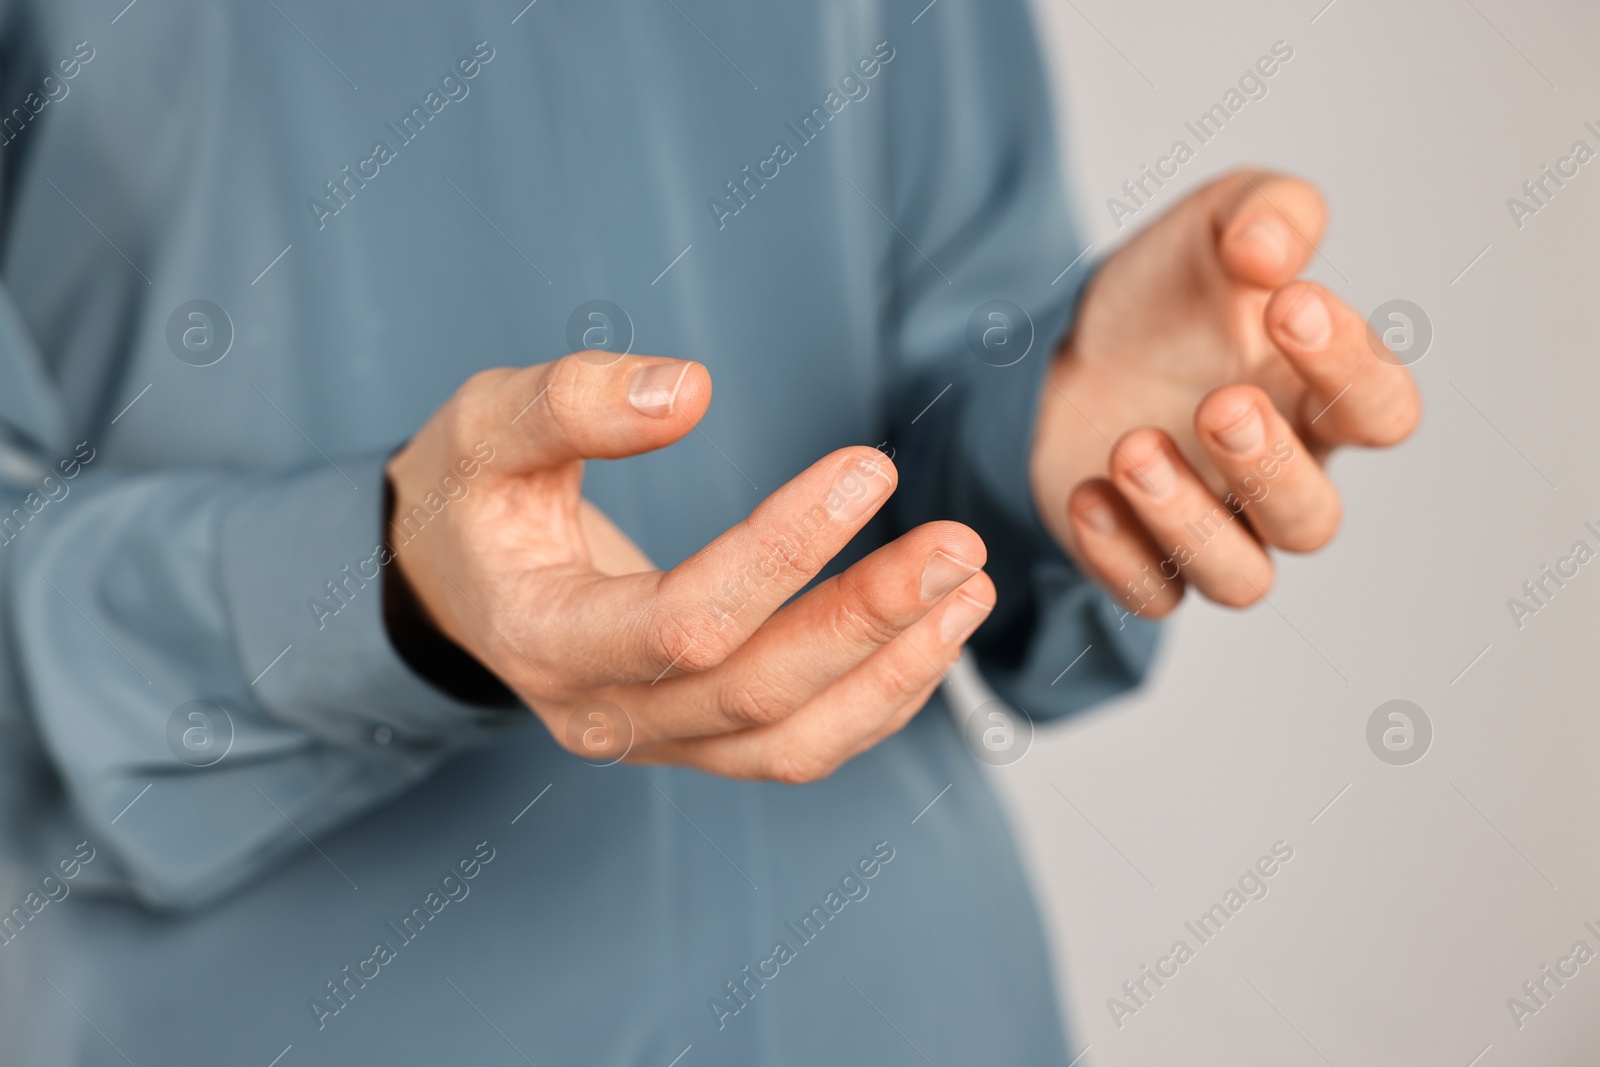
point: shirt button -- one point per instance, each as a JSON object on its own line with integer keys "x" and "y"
{"x": 383, "y": 735}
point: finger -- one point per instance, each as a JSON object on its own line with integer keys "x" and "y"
{"x": 1355, "y": 396}
{"x": 583, "y": 406}
{"x": 1196, "y": 532}
{"x": 1267, "y": 226}
{"x": 878, "y": 696}
{"x": 825, "y": 634}
{"x": 1116, "y": 549}
{"x": 907, "y": 711}
{"x": 713, "y": 601}
{"x": 696, "y": 615}
{"x": 1282, "y": 490}
{"x": 895, "y": 722}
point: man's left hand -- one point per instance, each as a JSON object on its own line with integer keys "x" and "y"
{"x": 1183, "y": 428}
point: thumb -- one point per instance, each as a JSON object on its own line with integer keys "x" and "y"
{"x": 1267, "y": 226}
{"x": 580, "y": 408}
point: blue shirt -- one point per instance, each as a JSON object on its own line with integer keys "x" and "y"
{"x": 247, "y": 249}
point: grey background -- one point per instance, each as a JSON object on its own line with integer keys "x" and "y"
{"x": 1425, "y": 896}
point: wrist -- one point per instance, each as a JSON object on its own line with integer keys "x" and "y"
{"x": 419, "y": 641}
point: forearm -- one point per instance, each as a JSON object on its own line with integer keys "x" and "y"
{"x": 139, "y": 596}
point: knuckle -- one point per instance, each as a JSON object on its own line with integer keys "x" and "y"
{"x": 707, "y": 650}
{"x": 473, "y": 400}
{"x": 858, "y": 620}
{"x": 777, "y": 557}
{"x": 480, "y": 384}
{"x": 899, "y": 681}
{"x": 781, "y": 553}
{"x": 692, "y": 646}
{"x": 755, "y": 702}
{"x": 562, "y": 401}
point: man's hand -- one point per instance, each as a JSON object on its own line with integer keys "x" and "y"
{"x": 697, "y": 665}
{"x": 1184, "y": 425}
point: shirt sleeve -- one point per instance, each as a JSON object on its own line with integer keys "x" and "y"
{"x": 132, "y": 602}
{"x": 980, "y": 303}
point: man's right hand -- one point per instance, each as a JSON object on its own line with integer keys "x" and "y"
{"x": 538, "y": 586}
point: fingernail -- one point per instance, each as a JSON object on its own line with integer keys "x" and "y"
{"x": 857, "y": 490}
{"x": 1099, "y": 518}
{"x": 1244, "y": 436}
{"x": 1309, "y": 323}
{"x": 943, "y": 573}
{"x": 962, "y": 614}
{"x": 654, "y": 389}
{"x": 1157, "y": 476}
{"x": 1270, "y": 239}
